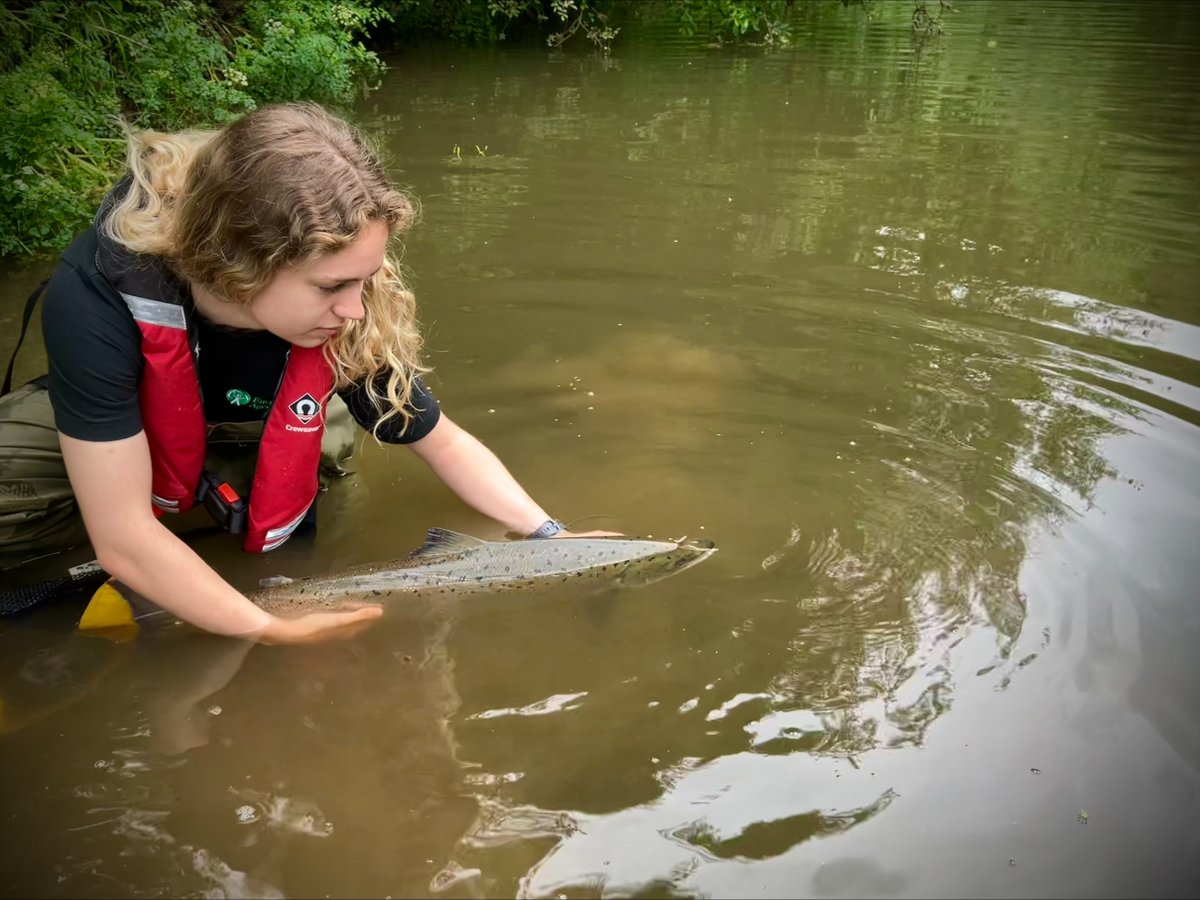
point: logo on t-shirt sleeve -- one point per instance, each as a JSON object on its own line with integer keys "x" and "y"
{"x": 305, "y": 408}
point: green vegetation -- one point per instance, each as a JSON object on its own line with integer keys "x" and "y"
{"x": 72, "y": 70}
{"x": 729, "y": 20}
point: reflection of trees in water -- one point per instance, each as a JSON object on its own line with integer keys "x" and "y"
{"x": 692, "y": 825}
{"x": 763, "y": 840}
{"x": 969, "y": 469}
{"x": 987, "y": 427}
{"x": 874, "y": 664}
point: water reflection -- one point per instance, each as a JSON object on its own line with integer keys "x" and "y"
{"x": 235, "y": 770}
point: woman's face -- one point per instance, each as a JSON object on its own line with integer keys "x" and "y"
{"x": 307, "y": 304}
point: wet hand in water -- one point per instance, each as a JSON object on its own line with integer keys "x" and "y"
{"x": 315, "y": 628}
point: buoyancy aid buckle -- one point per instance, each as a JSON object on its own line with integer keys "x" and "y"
{"x": 227, "y": 507}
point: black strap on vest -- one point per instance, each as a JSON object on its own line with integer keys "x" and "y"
{"x": 29, "y": 305}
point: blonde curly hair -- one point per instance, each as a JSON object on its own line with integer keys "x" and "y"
{"x": 284, "y": 184}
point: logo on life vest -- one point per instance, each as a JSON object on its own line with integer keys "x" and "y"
{"x": 305, "y": 408}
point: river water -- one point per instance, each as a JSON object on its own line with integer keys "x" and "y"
{"x": 908, "y": 327}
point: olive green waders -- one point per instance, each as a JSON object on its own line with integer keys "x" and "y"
{"x": 38, "y": 513}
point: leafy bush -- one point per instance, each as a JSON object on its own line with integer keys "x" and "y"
{"x": 69, "y": 70}
{"x": 175, "y": 68}
{"x": 294, "y": 50}
{"x": 725, "y": 21}
{"x": 52, "y": 150}
{"x": 588, "y": 17}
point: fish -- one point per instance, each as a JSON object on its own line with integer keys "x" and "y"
{"x": 448, "y": 563}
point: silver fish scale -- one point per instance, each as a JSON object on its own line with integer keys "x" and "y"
{"x": 490, "y": 563}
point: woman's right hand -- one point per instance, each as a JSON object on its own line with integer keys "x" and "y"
{"x": 317, "y": 627}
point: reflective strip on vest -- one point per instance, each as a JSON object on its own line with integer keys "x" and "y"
{"x": 277, "y": 536}
{"x": 156, "y": 312}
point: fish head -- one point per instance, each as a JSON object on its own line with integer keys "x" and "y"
{"x": 654, "y": 568}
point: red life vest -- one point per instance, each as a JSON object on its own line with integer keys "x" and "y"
{"x": 285, "y": 475}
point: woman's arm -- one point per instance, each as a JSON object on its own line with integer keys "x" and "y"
{"x": 478, "y": 477}
{"x": 111, "y": 481}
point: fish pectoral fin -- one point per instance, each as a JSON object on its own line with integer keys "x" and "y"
{"x": 443, "y": 542}
{"x": 274, "y": 581}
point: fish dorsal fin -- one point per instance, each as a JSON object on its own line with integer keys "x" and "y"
{"x": 441, "y": 542}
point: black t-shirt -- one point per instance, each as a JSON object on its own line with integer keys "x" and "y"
{"x": 95, "y": 356}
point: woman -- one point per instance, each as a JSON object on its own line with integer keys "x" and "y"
{"x": 232, "y": 283}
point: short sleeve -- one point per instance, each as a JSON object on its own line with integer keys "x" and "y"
{"x": 94, "y": 352}
{"x": 423, "y": 408}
